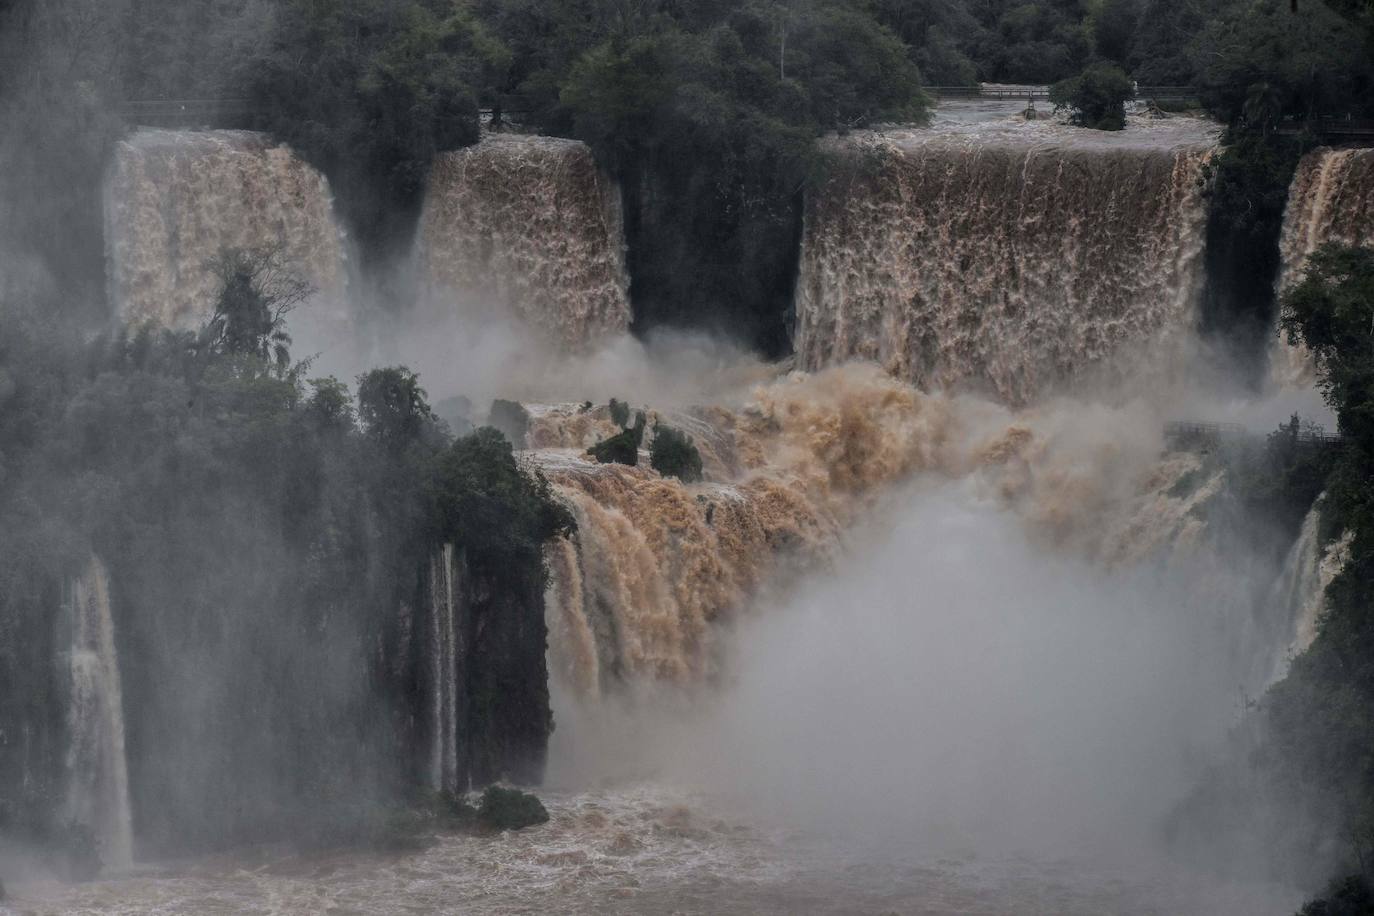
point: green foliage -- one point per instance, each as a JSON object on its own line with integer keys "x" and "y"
{"x": 1312, "y": 61}
{"x": 1097, "y": 97}
{"x": 330, "y": 407}
{"x": 1349, "y": 896}
{"x": 673, "y": 454}
{"x": 510, "y": 809}
{"x": 484, "y": 502}
{"x": 707, "y": 115}
{"x": 370, "y": 91}
{"x": 1034, "y": 42}
{"x": 260, "y": 543}
{"x": 1332, "y": 312}
{"x": 257, "y": 293}
{"x": 1114, "y": 26}
{"x": 623, "y": 447}
{"x": 1317, "y": 721}
{"x": 392, "y": 406}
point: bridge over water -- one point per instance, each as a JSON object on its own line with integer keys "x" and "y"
{"x": 237, "y": 112}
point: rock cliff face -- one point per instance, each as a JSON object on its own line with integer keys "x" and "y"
{"x": 485, "y": 660}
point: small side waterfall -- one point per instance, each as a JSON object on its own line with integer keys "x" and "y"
{"x": 1331, "y": 200}
{"x": 1008, "y": 262}
{"x": 445, "y": 648}
{"x": 1299, "y": 595}
{"x": 98, "y": 786}
{"x": 527, "y": 228}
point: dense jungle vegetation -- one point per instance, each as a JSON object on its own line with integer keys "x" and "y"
{"x": 705, "y": 111}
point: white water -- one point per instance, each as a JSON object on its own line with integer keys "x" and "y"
{"x": 98, "y": 776}
{"x": 444, "y": 664}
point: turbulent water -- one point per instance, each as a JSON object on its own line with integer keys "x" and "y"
{"x": 925, "y": 639}
{"x": 646, "y": 850}
{"x": 634, "y": 596}
{"x": 527, "y": 227}
{"x": 1331, "y": 201}
{"x": 1002, "y": 257}
{"x": 98, "y": 787}
{"x": 176, "y": 199}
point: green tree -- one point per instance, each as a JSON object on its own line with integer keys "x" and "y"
{"x": 369, "y": 91}
{"x": 673, "y": 454}
{"x": 257, "y": 294}
{"x": 1096, "y": 97}
{"x": 392, "y": 406}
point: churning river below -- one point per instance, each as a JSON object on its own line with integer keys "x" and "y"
{"x": 651, "y": 850}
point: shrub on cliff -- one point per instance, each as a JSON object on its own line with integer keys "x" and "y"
{"x": 509, "y": 809}
{"x": 623, "y": 447}
{"x": 1096, "y": 97}
{"x": 673, "y": 454}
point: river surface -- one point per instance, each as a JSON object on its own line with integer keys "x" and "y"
{"x": 650, "y": 850}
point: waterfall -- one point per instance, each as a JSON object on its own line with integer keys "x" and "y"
{"x": 444, "y": 648}
{"x": 176, "y": 199}
{"x": 530, "y": 228}
{"x": 1299, "y": 595}
{"x": 658, "y": 568}
{"x": 1331, "y": 200}
{"x": 1006, "y": 261}
{"x": 98, "y": 788}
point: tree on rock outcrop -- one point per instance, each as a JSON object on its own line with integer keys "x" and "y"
{"x": 623, "y": 447}
{"x": 1096, "y": 98}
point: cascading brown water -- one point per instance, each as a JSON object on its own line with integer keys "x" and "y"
{"x": 176, "y": 199}
{"x": 1331, "y": 201}
{"x": 1006, "y": 260}
{"x": 527, "y": 227}
{"x": 657, "y": 566}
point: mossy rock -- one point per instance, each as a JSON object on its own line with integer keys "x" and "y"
{"x": 454, "y": 812}
{"x": 509, "y": 809}
{"x": 512, "y": 419}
